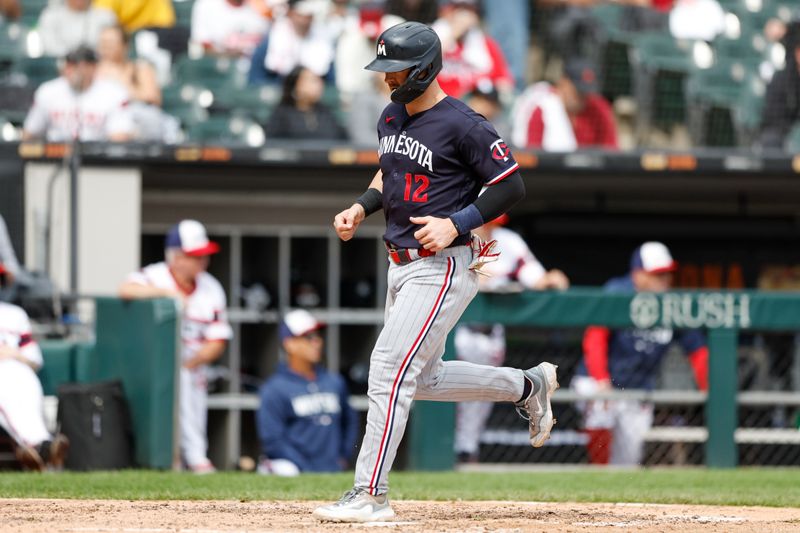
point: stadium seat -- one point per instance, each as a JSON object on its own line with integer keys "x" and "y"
{"x": 31, "y": 10}
{"x": 181, "y": 102}
{"x": 209, "y": 72}
{"x": 183, "y": 12}
{"x": 724, "y": 104}
{"x": 660, "y": 65}
{"x": 792, "y": 143}
{"x": 34, "y": 71}
{"x": 226, "y": 131}
{"x": 254, "y": 102}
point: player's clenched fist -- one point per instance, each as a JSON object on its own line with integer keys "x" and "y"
{"x": 436, "y": 234}
{"x": 346, "y": 222}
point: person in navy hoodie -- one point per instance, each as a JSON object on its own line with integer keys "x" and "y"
{"x": 305, "y": 423}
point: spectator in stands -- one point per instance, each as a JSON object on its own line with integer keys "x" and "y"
{"x": 10, "y": 10}
{"x": 305, "y": 422}
{"x": 205, "y": 329}
{"x": 294, "y": 39}
{"x": 485, "y": 100}
{"x": 135, "y": 15}
{"x": 468, "y": 54}
{"x": 782, "y": 101}
{"x": 227, "y": 27}
{"x": 8, "y": 258}
{"x": 425, "y": 11}
{"x": 64, "y": 27}
{"x": 21, "y": 396}
{"x": 568, "y": 115}
{"x": 300, "y": 113}
{"x": 139, "y": 77}
{"x": 356, "y": 47}
{"x": 77, "y": 105}
{"x": 631, "y": 359}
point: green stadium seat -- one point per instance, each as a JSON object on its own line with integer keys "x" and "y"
{"x": 792, "y": 143}
{"x": 34, "y": 71}
{"x": 660, "y": 65}
{"x": 254, "y": 102}
{"x": 183, "y": 12}
{"x": 210, "y": 72}
{"x": 31, "y": 10}
{"x": 226, "y": 131}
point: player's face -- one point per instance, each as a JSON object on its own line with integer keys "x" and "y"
{"x": 653, "y": 282}
{"x": 307, "y": 348}
{"x": 80, "y": 75}
{"x": 190, "y": 266}
{"x": 395, "y": 79}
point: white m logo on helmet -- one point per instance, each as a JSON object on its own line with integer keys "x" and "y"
{"x": 381, "y": 48}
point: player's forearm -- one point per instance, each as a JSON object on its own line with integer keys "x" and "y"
{"x": 494, "y": 201}
{"x": 137, "y": 291}
{"x": 13, "y": 353}
{"x": 207, "y": 354}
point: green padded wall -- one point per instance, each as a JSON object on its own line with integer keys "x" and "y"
{"x": 137, "y": 343}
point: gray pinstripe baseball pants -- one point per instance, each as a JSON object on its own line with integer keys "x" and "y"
{"x": 424, "y": 301}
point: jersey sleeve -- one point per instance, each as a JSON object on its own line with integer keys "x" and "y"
{"x": 28, "y": 347}
{"x": 219, "y": 329}
{"x": 487, "y": 154}
{"x": 36, "y": 120}
{"x": 139, "y": 277}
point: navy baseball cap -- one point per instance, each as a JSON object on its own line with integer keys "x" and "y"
{"x": 654, "y": 258}
{"x": 190, "y": 236}
{"x": 298, "y": 323}
{"x": 583, "y": 74}
{"x": 81, "y": 54}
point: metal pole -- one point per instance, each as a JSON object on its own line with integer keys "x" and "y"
{"x": 74, "y": 168}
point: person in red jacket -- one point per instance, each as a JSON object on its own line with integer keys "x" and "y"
{"x": 630, "y": 359}
{"x": 571, "y": 114}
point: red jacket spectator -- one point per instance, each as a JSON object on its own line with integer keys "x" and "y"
{"x": 565, "y": 116}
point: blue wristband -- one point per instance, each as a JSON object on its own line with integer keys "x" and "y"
{"x": 467, "y": 219}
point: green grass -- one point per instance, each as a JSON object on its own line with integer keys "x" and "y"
{"x": 744, "y": 486}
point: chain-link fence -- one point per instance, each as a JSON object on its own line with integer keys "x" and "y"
{"x": 671, "y": 419}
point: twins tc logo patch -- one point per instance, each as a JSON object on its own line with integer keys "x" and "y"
{"x": 381, "y": 48}
{"x": 500, "y": 150}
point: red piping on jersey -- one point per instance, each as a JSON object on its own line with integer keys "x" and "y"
{"x": 180, "y": 287}
{"x": 595, "y": 352}
{"x": 506, "y": 173}
{"x": 406, "y": 361}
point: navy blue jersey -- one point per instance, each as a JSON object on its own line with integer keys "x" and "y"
{"x": 634, "y": 355}
{"x": 307, "y": 422}
{"x": 435, "y": 163}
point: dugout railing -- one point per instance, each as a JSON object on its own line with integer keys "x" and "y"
{"x": 716, "y": 426}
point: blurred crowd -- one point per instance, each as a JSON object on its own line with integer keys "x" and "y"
{"x": 551, "y": 74}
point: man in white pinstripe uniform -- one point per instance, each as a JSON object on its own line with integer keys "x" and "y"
{"x": 436, "y": 155}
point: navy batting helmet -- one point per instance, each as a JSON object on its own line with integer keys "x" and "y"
{"x": 409, "y": 45}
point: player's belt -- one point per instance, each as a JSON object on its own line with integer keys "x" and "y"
{"x": 403, "y": 256}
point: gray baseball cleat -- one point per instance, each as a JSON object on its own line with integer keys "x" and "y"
{"x": 357, "y": 505}
{"x": 536, "y": 407}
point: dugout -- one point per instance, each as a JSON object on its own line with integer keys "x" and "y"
{"x": 727, "y": 216}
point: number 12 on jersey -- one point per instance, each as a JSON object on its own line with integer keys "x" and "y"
{"x": 419, "y": 195}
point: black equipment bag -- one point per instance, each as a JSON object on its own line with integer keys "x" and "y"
{"x": 96, "y": 419}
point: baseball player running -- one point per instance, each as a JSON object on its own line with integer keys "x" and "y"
{"x": 435, "y": 156}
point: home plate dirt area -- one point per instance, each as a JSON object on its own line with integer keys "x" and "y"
{"x": 40, "y": 515}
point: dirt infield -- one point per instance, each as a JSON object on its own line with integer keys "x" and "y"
{"x": 25, "y": 516}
